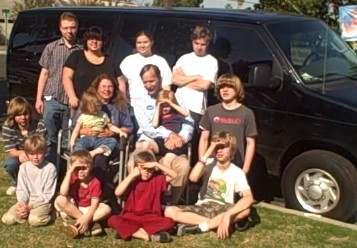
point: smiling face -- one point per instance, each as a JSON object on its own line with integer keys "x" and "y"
{"x": 105, "y": 90}
{"x": 94, "y": 45}
{"x": 143, "y": 45}
{"x": 151, "y": 81}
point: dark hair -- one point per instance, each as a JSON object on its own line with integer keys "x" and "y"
{"x": 149, "y": 67}
{"x": 96, "y": 33}
{"x": 144, "y": 33}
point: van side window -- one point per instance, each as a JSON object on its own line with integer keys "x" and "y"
{"x": 23, "y": 36}
{"x": 49, "y": 32}
{"x": 105, "y": 22}
{"x": 237, "y": 48}
{"x": 128, "y": 27}
{"x": 172, "y": 38}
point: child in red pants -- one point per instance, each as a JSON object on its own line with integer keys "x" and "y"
{"x": 142, "y": 216}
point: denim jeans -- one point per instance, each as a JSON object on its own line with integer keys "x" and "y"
{"x": 11, "y": 166}
{"x": 56, "y": 117}
{"x": 93, "y": 142}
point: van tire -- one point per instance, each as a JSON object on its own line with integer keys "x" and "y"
{"x": 321, "y": 182}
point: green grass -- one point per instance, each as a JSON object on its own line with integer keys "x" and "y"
{"x": 275, "y": 230}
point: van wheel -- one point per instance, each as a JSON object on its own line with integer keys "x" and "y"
{"x": 321, "y": 182}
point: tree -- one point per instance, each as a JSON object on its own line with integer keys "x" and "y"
{"x": 315, "y": 8}
{"x": 176, "y": 3}
{"x": 21, "y": 5}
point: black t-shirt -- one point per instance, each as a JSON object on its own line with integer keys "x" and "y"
{"x": 85, "y": 72}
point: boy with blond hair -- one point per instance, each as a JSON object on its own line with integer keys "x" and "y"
{"x": 79, "y": 200}
{"x": 217, "y": 209}
{"x": 35, "y": 187}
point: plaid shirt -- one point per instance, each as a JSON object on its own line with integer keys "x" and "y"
{"x": 53, "y": 58}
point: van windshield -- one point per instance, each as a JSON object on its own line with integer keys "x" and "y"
{"x": 317, "y": 53}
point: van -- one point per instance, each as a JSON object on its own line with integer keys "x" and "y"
{"x": 299, "y": 77}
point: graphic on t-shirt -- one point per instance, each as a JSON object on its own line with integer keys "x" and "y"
{"x": 216, "y": 189}
{"x": 227, "y": 120}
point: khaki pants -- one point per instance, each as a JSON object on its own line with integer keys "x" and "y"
{"x": 38, "y": 216}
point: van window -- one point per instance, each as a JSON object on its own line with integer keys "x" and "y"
{"x": 316, "y": 52}
{"x": 128, "y": 27}
{"x": 23, "y": 35}
{"x": 49, "y": 31}
{"x": 105, "y": 22}
{"x": 172, "y": 37}
{"x": 237, "y": 48}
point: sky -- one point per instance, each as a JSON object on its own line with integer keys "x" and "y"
{"x": 216, "y": 3}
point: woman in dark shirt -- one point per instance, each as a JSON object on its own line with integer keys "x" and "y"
{"x": 83, "y": 66}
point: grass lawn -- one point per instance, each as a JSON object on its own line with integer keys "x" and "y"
{"x": 275, "y": 230}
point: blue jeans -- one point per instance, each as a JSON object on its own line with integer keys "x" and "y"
{"x": 92, "y": 142}
{"x": 12, "y": 166}
{"x": 56, "y": 117}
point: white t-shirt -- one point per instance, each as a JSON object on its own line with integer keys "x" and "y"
{"x": 131, "y": 67}
{"x": 223, "y": 184}
{"x": 192, "y": 65}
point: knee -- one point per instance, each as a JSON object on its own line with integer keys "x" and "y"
{"x": 11, "y": 165}
{"x": 60, "y": 202}
{"x": 172, "y": 212}
{"x": 35, "y": 220}
{"x": 9, "y": 219}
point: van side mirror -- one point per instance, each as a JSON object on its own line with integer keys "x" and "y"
{"x": 260, "y": 76}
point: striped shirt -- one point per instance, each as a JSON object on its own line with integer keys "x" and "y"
{"x": 14, "y": 139}
{"x": 53, "y": 58}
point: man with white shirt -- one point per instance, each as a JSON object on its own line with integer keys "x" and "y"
{"x": 144, "y": 111}
{"x": 194, "y": 73}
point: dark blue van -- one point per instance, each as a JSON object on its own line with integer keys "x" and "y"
{"x": 300, "y": 80}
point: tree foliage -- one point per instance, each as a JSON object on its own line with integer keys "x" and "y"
{"x": 315, "y": 8}
{"x": 20, "y": 5}
{"x": 176, "y": 3}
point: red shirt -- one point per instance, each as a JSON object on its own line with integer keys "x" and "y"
{"x": 144, "y": 197}
{"x": 84, "y": 195}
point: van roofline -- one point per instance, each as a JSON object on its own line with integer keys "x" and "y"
{"x": 248, "y": 16}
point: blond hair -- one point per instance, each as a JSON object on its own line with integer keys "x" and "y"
{"x": 89, "y": 102}
{"x": 68, "y": 16}
{"x": 143, "y": 157}
{"x": 83, "y": 156}
{"x": 17, "y": 106}
{"x": 166, "y": 94}
{"x": 228, "y": 139}
{"x": 35, "y": 144}
{"x": 230, "y": 80}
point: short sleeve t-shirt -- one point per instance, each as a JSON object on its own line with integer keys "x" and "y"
{"x": 222, "y": 185}
{"x": 85, "y": 72}
{"x": 83, "y": 196}
{"x": 96, "y": 122}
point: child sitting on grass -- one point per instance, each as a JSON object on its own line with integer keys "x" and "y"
{"x": 142, "y": 216}
{"x": 92, "y": 116}
{"x": 35, "y": 187}
{"x": 79, "y": 199}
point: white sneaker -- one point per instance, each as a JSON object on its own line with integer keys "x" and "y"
{"x": 11, "y": 190}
